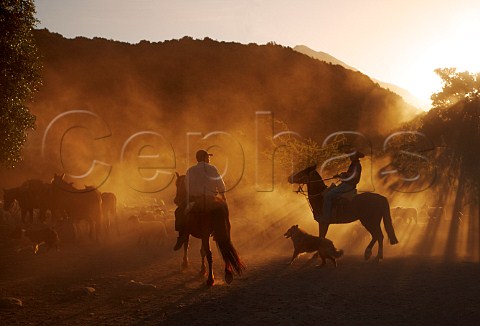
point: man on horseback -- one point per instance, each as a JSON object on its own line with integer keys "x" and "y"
{"x": 349, "y": 179}
{"x": 203, "y": 184}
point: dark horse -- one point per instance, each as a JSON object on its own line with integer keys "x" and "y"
{"x": 367, "y": 207}
{"x": 78, "y": 204}
{"x": 202, "y": 226}
{"x": 30, "y": 195}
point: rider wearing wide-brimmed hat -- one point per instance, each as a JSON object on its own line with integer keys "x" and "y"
{"x": 349, "y": 181}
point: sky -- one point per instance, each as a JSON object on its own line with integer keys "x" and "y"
{"x": 396, "y": 41}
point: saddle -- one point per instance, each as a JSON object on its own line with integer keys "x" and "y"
{"x": 348, "y": 195}
{"x": 341, "y": 203}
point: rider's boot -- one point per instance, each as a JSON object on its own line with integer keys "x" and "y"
{"x": 182, "y": 238}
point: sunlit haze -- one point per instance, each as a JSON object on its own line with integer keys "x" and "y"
{"x": 399, "y": 42}
{"x": 195, "y": 162}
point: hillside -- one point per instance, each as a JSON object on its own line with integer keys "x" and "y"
{"x": 319, "y": 55}
{"x": 181, "y": 86}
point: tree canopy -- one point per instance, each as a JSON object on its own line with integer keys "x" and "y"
{"x": 20, "y": 68}
{"x": 457, "y": 86}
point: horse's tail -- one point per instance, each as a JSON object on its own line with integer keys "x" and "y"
{"x": 387, "y": 222}
{"x": 230, "y": 256}
{"x": 221, "y": 227}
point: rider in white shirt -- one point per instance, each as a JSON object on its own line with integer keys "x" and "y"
{"x": 203, "y": 184}
{"x": 203, "y": 178}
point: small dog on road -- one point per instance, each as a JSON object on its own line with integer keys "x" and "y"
{"x": 304, "y": 242}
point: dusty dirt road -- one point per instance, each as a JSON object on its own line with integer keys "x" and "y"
{"x": 122, "y": 283}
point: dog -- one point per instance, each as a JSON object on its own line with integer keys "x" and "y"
{"x": 304, "y": 242}
{"x": 37, "y": 237}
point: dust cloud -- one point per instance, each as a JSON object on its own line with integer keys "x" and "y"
{"x": 142, "y": 121}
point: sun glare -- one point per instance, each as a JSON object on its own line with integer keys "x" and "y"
{"x": 455, "y": 46}
{"x": 462, "y": 49}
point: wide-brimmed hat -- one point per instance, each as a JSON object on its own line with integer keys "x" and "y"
{"x": 201, "y": 155}
{"x": 357, "y": 155}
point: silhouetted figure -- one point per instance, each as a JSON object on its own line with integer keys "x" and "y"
{"x": 203, "y": 183}
{"x": 203, "y": 221}
{"x": 349, "y": 179}
{"x": 368, "y": 207}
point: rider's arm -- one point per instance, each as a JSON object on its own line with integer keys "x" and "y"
{"x": 221, "y": 188}
{"x": 220, "y": 184}
{"x": 351, "y": 172}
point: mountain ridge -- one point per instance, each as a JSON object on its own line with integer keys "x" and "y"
{"x": 323, "y": 56}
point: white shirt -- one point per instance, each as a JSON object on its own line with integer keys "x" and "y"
{"x": 203, "y": 179}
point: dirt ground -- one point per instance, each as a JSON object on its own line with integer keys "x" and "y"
{"x": 121, "y": 282}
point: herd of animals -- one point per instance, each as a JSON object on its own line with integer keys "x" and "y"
{"x": 39, "y": 212}
{"x": 60, "y": 202}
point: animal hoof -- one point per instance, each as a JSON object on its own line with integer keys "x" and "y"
{"x": 228, "y": 277}
{"x": 368, "y": 254}
{"x": 210, "y": 282}
{"x": 378, "y": 259}
{"x": 185, "y": 265}
{"x": 202, "y": 273}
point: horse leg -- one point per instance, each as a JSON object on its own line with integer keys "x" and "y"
{"x": 376, "y": 231}
{"x": 377, "y": 236}
{"x": 380, "y": 244}
{"x": 322, "y": 229}
{"x": 368, "y": 250}
{"x": 106, "y": 216}
{"x": 208, "y": 252}
{"x": 185, "y": 254}
{"x": 95, "y": 230}
{"x": 203, "y": 269}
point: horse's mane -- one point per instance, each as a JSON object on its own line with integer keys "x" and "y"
{"x": 58, "y": 180}
{"x": 297, "y": 177}
{"x": 303, "y": 176}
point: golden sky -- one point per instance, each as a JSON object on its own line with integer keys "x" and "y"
{"x": 395, "y": 41}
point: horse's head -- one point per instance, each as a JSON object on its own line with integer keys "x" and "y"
{"x": 59, "y": 182}
{"x": 181, "y": 194}
{"x": 302, "y": 177}
{"x": 307, "y": 176}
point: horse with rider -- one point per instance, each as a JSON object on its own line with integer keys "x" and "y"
{"x": 341, "y": 204}
{"x": 202, "y": 212}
